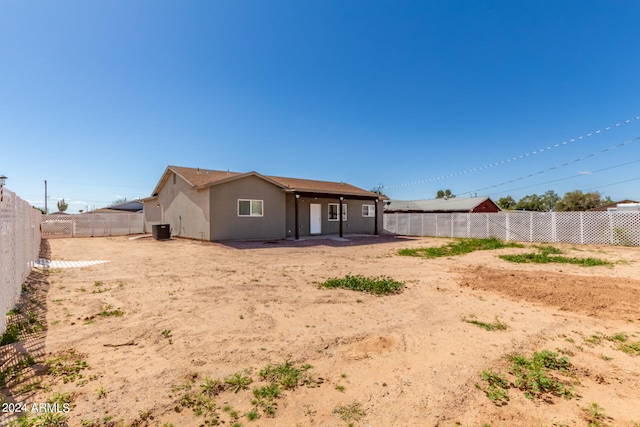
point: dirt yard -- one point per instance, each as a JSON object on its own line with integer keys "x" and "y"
{"x": 160, "y": 318}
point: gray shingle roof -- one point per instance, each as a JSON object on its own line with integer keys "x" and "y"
{"x": 455, "y": 204}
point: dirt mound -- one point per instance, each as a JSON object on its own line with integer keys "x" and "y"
{"x": 603, "y": 297}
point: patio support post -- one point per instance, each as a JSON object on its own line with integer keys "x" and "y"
{"x": 375, "y": 217}
{"x": 297, "y": 196}
{"x": 340, "y": 213}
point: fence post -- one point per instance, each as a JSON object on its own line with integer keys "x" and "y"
{"x": 451, "y": 231}
{"x": 610, "y": 227}
{"x": 531, "y": 227}
{"x": 581, "y": 227}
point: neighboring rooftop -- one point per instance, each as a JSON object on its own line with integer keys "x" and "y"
{"x": 452, "y": 204}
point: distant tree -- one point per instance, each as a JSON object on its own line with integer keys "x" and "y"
{"x": 378, "y": 190}
{"x": 442, "y": 194}
{"x": 579, "y": 201}
{"x": 119, "y": 202}
{"x": 39, "y": 209}
{"x": 531, "y": 202}
{"x": 507, "y": 203}
{"x": 62, "y": 206}
{"x": 549, "y": 200}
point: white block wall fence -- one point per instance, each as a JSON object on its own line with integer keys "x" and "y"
{"x": 19, "y": 248}
{"x": 608, "y": 228}
{"x": 92, "y": 225}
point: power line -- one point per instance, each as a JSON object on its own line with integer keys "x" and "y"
{"x": 588, "y": 156}
{"x": 522, "y": 156}
{"x": 567, "y": 177}
{"x": 615, "y": 183}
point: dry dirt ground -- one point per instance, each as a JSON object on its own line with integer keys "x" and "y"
{"x": 160, "y": 315}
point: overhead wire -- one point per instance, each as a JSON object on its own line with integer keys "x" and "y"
{"x": 561, "y": 165}
{"x": 515, "y": 158}
{"x": 566, "y": 178}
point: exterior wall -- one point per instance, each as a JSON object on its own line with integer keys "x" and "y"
{"x": 486, "y": 206}
{"x": 185, "y": 209}
{"x": 355, "y": 223}
{"x": 226, "y": 224}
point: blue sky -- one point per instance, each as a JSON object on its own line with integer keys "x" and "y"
{"x": 99, "y": 97}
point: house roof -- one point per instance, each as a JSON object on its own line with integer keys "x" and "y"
{"x": 454, "y": 204}
{"x": 113, "y": 211}
{"x": 612, "y": 205}
{"x": 203, "y": 178}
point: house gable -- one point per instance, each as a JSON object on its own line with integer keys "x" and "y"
{"x": 227, "y": 222}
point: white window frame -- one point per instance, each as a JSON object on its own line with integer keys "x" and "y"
{"x": 251, "y": 204}
{"x": 344, "y": 212}
{"x": 370, "y": 211}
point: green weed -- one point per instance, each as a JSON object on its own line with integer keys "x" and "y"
{"x": 16, "y": 331}
{"x": 351, "y": 412}
{"x": 497, "y": 389}
{"x": 550, "y": 254}
{"x": 238, "y": 381}
{"x": 381, "y": 285}
{"x": 460, "y": 247}
{"x": 594, "y": 415}
{"x": 108, "y": 311}
{"x": 67, "y": 366}
{"x": 533, "y": 376}
{"x": 497, "y": 325}
{"x": 167, "y": 334}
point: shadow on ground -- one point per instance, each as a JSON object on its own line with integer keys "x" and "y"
{"x": 22, "y": 350}
{"x": 331, "y": 241}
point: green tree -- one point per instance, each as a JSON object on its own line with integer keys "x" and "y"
{"x": 119, "y": 202}
{"x": 62, "y": 206}
{"x": 507, "y": 202}
{"x": 532, "y": 202}
{"x": 579, "y": 201}
{"x": 378, "y": 190}
{"x": 549, "y": 200}
{"x": 442, "y": 194}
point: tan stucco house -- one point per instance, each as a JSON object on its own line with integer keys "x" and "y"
{"x": 212, "y": 205}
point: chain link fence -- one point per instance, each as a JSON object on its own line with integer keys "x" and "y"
{"x": 92, "y": 225}
{"x": 608, "y": 228}
{"x": 19, "y": 248}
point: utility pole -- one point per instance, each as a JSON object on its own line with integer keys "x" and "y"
{"x": 46, "y": 210}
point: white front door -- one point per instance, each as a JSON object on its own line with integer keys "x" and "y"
{"x": 315, "y": 218}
